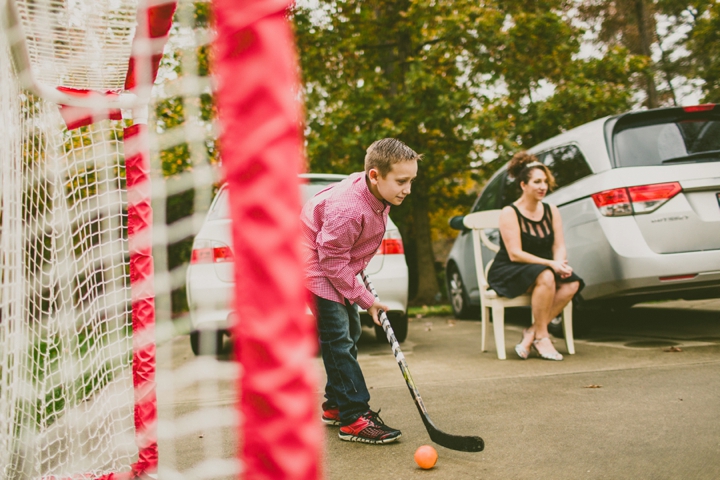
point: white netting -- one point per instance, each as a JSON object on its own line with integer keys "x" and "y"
{"x": 65, "y": 332}
{"x": 66, "y": 339}
{"x": 83, "y": 44}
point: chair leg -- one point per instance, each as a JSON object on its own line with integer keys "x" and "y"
{"x": 568, "y": 328}
{"x": 498, "y": 313}
{"x": 484, "y": 314}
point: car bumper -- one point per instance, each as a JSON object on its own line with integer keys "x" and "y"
{"x": 618, "y": 263}
{"x": 209, "y": 299}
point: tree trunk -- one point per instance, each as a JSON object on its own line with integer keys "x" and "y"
{"x": 645, "y": 37}
{"x": 428, "y": 287}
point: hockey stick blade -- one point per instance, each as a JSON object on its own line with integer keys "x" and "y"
{"x": 460, "y": 443}
{"x": 453, "y": 442}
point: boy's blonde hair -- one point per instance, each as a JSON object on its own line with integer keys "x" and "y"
{"x": 385, "y": 153}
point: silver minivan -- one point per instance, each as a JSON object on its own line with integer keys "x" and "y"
{"x": 639, "y": 195}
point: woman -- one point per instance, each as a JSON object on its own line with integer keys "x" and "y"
{"x": 532, "y": 256}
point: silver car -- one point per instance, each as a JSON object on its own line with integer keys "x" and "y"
{"x": 210, "y": 284}
{"x": 639, "y": 195}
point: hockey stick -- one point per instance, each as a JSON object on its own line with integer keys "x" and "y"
{"x": 453, "y": 442}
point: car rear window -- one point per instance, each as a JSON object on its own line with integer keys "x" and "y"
{"x": 221, "y": 208}
{"x": 679, "y": 140}
{"x": 313, "y": 187}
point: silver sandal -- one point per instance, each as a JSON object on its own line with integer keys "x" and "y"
{"x": 547, "y": 355}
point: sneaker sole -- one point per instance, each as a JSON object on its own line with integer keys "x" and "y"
{"x": 354, "y": 438}
{"x": 330, "y": 422}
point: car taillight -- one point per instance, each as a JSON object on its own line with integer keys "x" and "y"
{"x": 613, "y": 203}
{"x": 700, "y": 108}
{"x": 391, "y": 244}
{"x": 635, "y": 200}
{"x": 211, "y": 254}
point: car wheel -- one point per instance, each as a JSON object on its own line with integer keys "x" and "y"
{"x": 399, "y": 324}
{"x": 456, "y": 292}
{"x": 206, "y": 342}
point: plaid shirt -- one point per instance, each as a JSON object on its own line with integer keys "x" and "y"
{"x": 343, "y": 227}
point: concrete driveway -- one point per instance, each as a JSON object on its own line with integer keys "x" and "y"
{"x": 639, "y": 400}
{"x": 622, "y": 407}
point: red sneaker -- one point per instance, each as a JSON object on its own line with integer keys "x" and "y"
{"x": 331, "y": 417}
{"x": 369, "y": 428}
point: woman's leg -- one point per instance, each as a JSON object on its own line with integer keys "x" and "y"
{"x": 543, "y": 296}
{"x": 564, "y": 293}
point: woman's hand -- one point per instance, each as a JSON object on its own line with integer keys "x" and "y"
{"x": 561, "y": 268}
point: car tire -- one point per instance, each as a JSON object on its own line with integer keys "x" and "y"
{"x": 206, "y": 342}
{"x": 457, "y": 294}
{"x": 399, "y": 324}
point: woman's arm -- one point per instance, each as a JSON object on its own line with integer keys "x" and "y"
{"x": 558, "y": 249}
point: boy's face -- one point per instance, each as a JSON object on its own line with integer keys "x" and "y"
{"x": 396, "y": 184}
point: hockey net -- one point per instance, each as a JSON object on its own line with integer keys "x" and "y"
{"x": 77, "y": 297}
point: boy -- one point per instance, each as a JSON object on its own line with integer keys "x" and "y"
{"x": 343, "y": 227}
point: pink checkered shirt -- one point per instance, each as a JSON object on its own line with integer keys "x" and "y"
{"x": 343, "y": 227}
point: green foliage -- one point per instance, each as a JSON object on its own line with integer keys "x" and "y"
{"x": 704, "y": 42}
{"x": 442, "y": 309}
{"x": 451, "y": 79}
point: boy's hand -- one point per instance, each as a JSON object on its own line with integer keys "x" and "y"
{"x": 374, "y": 310}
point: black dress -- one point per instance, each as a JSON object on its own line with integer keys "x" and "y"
{"x": 511, "y": 279}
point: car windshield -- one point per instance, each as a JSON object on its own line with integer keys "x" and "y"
{"x": 671, "y": 142}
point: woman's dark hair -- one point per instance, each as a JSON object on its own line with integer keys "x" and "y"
{"x": 523, "y": 163}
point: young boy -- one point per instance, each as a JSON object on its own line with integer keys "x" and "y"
{"x": 343, "y": 227}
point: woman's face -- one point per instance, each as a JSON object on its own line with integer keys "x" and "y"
{"x": 536, "y": 186}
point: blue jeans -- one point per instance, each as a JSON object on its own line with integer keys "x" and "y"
{"x": 339, "y": 328}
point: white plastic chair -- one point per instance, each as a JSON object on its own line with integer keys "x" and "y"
{"x": 491, "y": 301}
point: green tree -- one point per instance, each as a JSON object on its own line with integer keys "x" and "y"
{"x": 451, "y": 79}
{"x": 687, "y": 42}
{"x": 396, "y": 69}
{"x": 632, "y": 24}
{"x": 703, "y": 42}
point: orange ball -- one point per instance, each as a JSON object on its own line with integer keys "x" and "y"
{"x": 426, "y": 457}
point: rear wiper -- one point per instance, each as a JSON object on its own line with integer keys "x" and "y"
{"x": 693, "y": 156}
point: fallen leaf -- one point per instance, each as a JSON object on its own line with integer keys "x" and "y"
{"x": 451, "y": 322}
{"x": 418, "y": 315}
{"x": 592, "y": 385}
{"x": 673, "y": 349}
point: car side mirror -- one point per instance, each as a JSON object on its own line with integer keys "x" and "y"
{"x": 457, "y": 222}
